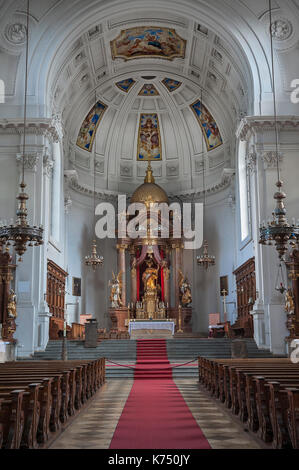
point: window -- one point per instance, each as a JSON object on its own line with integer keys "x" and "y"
{"x": 243, "y": 192}
{"x": 2, "y": 91}
{"x": 56, "y": 193}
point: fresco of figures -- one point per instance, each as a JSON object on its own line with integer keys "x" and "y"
{"x": 125, "y": 85}
{"x": 171, "y": 84}
{"x": 149, "y": 139}
{"x": 148, "y": 89}
{"x": 148, "y": 42}
{"x": 89, "y": 126}
{"x": 208, "y": 125}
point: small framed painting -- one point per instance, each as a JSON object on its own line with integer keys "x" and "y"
{"x": 76, "y": 286}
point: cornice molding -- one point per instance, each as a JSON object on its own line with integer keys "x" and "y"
{"x": 257, "y": 124}
{"x": 227, "y": 178}
{"x": 72, "y": 179}
{"x": 50, "y": 128}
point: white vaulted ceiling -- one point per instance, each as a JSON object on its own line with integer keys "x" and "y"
{"x": 226, "y": 59}
{"x": 208, "y": 65}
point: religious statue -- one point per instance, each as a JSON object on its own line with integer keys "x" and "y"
{"x": 11, "y": 305}
{"x": 150, "y": 276}
{"x": 289, "y": 302}
{"x": 115, "y": 291}
{"x": 185, "y": 291}
{"x": 133, "y": 267}
{"x": 166, "y": 270}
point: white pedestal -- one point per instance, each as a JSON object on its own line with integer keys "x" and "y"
{"x": 7, "y": 352}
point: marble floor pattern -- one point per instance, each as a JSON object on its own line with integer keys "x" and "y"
{"x": 94, "y": 427}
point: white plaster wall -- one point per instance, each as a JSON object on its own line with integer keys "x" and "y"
{"x": 219, "y": 231}
{"x": 95, "y": 290}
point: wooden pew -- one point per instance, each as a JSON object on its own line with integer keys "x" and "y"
{"x": 37, "y": 397}
{"x": 262, "y": 392}
{"x": 12, "y": 419}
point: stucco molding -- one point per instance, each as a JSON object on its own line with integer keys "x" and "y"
{"x": 253, "y": 125}
{"x": 50, "y": 128}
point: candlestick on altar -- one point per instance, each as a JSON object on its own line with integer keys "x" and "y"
{"x": 129, "y": 312}
{"x": 180, "y": 320}
{"x": 224, "y": 293}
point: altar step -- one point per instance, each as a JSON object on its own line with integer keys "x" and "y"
{"x": 124, "y": 352}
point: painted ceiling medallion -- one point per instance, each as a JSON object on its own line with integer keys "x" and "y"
{"x": 208, "y": 125}
{"x": 148, "y": 89}
{"x": 89, "y": 126}
{"x": 125, "y": 85}
{"x": 16, "y": 33}
{"x": 143, "y": 42}
{"x": 171, "y": 84}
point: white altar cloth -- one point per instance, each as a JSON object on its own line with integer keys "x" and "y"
{"x": 151, "y": 325}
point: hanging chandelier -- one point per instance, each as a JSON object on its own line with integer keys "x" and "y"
{"x": 205, "y": 260}
{"x": 94, "y": 260}
{"x": 20, "y": 233}
{"x": 278, "y": 230}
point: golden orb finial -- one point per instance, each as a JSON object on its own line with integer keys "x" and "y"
{"x": 149, "y": 177}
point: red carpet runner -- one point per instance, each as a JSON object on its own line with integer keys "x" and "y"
{"x": 156, "y": 415}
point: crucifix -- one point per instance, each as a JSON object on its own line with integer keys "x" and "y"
{"x": 224, "y": 294}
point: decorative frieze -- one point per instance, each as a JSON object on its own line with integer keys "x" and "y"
{"x": 252, "y": 125}
{"x": 50, "y": 128}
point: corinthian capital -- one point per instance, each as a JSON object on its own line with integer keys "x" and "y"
{"x": 30, "y": 161}
{"x": 48, "y": 164}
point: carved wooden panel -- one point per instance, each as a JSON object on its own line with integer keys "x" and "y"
{"x": 293, "y": 317}
{"x": 246, "y": 296}
{"x": 7, "y": 322}
{"x": 56, "y": 277}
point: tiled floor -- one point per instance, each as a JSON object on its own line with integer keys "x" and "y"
{"x": 95, "y": 426}
{"x": 220, "y": 429}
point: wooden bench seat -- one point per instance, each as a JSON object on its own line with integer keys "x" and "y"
{"x": 263, "y": 393}
{"x": 48, "y": 393}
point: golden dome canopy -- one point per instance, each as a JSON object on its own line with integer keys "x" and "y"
{"x": 149, "y": 192}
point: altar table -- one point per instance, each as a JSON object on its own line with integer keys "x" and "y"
{"x": 152, "y": 325}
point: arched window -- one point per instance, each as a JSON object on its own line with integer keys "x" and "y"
{"x": 244, "y": 192}
{"x": 56, "y": 193}
{"x": 2, "y": 91}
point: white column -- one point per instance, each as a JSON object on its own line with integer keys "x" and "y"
{"x": 28, "y": 271}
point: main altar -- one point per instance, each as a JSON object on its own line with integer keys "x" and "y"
{"x": 150, "y": 271}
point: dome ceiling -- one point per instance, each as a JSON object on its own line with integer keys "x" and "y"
{"x": 156, "y": 61}
{"x": 137, "y": 113}
{"x": 138, "y": 74}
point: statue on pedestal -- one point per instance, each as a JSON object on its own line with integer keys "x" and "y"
{"x": 12, "y": 305}
{"x": 150, "y": 276}
{"x": 289, "y": 302}
{"x": 185, "y": 291}
{"x": 115, "y": 292}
